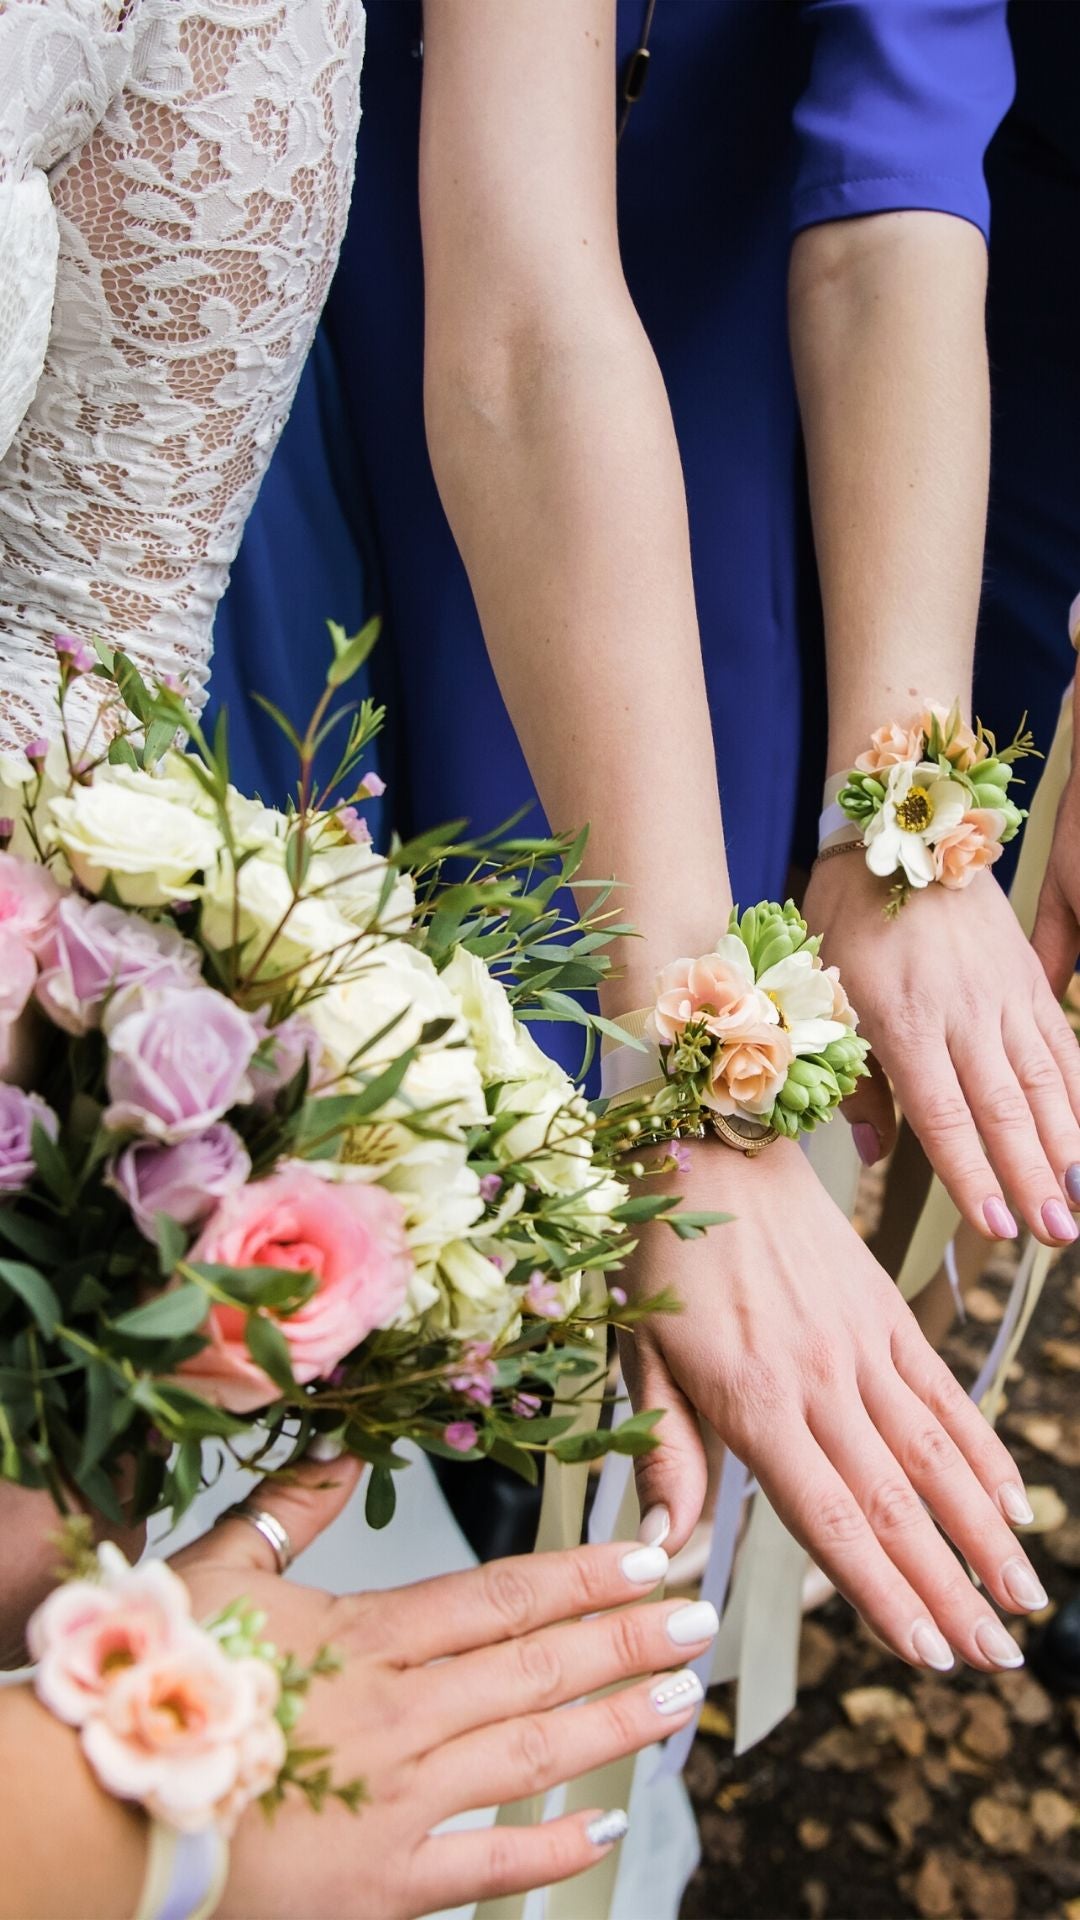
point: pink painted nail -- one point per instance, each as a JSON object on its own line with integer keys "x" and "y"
{"x": 1059, "y": 1221}
{"x": 867, "y": 1142}
{"x": 999, "y": 1219}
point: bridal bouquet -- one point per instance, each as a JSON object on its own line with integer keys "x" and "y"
{"x": 278, "y": 1154}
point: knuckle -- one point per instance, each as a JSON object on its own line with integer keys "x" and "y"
{"x": 509, "y": 1596}
{"x": 500, "y": 1860}
{"x": 540, "y": 1669}
{"x": 1008, "y": 1108}
{"x": 842, "y": 1522}
{"x": 628, "y": 1640}
{"x": 621, "y": 1722}
{"x": 531, "y": 1749}
{"x": 945, "y": 1397}
{"x": 893, "y": 1507}
{"x": 931, "y": 1451}
{"x": 1039, "y": 1072}
{"x": 947, "y": 1126}
{"x": 819, "y": 1359}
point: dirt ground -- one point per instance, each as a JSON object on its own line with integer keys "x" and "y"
{"x": 887, "y": 1794}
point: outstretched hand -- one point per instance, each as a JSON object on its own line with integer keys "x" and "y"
{"x": 960, "y": 1014}
{"x": 454, "y": 1694}
{"x": 796, "y": 1347}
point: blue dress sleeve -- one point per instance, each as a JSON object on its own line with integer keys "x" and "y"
{"x": 902, "y": 100}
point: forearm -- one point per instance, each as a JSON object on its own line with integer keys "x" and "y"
{"x": 67, "y": 1847}
{"x": 888, "y": 341}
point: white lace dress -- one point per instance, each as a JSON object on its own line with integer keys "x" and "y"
{"x": 174, "y": 183}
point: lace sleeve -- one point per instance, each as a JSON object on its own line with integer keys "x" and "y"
{"x": 59, "y": 66}
{"x": 198, "y": 206}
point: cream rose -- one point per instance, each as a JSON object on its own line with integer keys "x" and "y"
{"x": 151, "y": 847}
{"x": 496, "y": 1035}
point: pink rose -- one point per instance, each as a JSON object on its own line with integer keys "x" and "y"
{"x": 178, "y": 1059}
{"x": 190, "y": 1733}
{"x": 87, "y": 1633}
{"x": 974, "y": 843}
{"x": 749, "y": 1071}
{"x": 93, "y": 950}
{"x": 351, "y": 1237}
{"x": 28, "y": 900}
{"x": 964, "y": 749}
{"x": 185, "y": 1180}
{"x": 717, "y": 989}
{"x": 892, "y": 744}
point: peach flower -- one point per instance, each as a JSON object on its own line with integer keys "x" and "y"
{"x": 965, "y": 749}
{"x": 190, "y": 1734}
{"x": 890, "y": 745}
{"x": 86, "y": 1634}
{"x": 717, "y": 989}
{"x": 749, "y": 1071}
{"x": 351, "y": 1237}
{"x": 974, "y": 843}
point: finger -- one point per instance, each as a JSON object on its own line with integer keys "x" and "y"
{"x": 932, "y": 1383}
{"x": 454, "y": 1869}
{"x": 516, "y": 1758}
{"x": 1000, "y": 1110}
{"x": 960, "y": 1503}
{"x": 562, "y": 1663}
{"x": 508, "y": 1598}
{"x": 672, "y": 1478}
{"x": 904, "y": 1529}
{"x": 1046, "y": 1090}
{"x": 1056, "y": 936}
{"x": 819, "y": 1508}
{"x": 305, "y": 1505}
{"x": 871, "y": 1114}
{"x": 933, "y": 1104}
{"x": 1058, "y": 1034}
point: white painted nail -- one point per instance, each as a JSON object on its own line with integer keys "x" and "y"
{"x": 698, "y": 1620}
{"x": 655, "y": 1527}
{"x": 1023, "y": 1587}
{"x": 607, "y": 1828}
{"x": 998, "y": 1646}
{"x": 645, "y": 1566}
{"x": 931, "y": 1647}
{"x": 678, "y": 1692}
{"x": 325, "y": 1447}
{"x": 1015, "y": 1505}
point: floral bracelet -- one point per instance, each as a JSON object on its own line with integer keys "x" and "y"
{"x": 928, "y": 802}
{"x": 193, "y": 1723}
{"x": 755, "y": 1040}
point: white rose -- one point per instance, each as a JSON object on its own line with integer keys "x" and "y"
{"x": 305, "y": 931}
{"x": 150, "y": 846}
{"x": 397, "y": 984}
{"x": 547, "y": 1137}
{"x": 492, "y": 1026}
{"x": 350, "y": 876}
{"x": 475, "y": 1300}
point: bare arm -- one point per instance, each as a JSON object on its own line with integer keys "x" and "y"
{"x": 553, "y": 447}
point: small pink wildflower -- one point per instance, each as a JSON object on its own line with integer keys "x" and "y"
{"x": 542, "y": 1297}
{"x": 680, "y": 1154}
{"x": 74, "y": 654}
{"x": 476, "y": 1376}
{"x": 36, "y": 750}
{"x": 354, "y": 826}
{"x": 372, "y": 787}
{"x": 525, "y": 1405}
{"x": 490, "y": 1188}
{"x": 462, "y": 1435}
{"x": 618, "y": 1295}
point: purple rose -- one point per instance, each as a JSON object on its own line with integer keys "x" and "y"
{"x": 18, "y": 1112}
{"x": 289, "y": 1044}
{"x": 93, "y": 950}
{"x": 178, "y": 1060}
{"x": 186, "y": 1181}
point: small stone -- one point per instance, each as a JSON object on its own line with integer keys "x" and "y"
{"x": 813, "y": 1835}
{"x": 817, "y": 1654}
{"x": 713, "y": 1720}
{"x": 1004, "y": 1829}
{"x": 1054, "y": 1816}
{"x": 988, "y": 1892}
{"x": 908, "y": 1811}
{"x": 934, "y": 1891}
{"x": 983, "y": 1306}
{"x": 815, "y": 1899}
{"x": 1026, "y": 1700}
{"x": 865, "y": 1706}
{"x": 1063, "y": 1354}
{"x": 940, "y": 1707}
{"x": 723, "y": 1838}
{"x": 986, "y": 1733}
{"x": 868, "y": 1837}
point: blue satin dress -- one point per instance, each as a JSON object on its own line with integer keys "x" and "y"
{"x": 759, "y": 118}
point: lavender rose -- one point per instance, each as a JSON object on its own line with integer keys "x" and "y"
{"x": 94, "y": 950}
{"x": 18, "y": 1112}
{"x": 186, "y": 1181}
{"x": 178, "y": 1060}
{"x": 288, "y": 1046}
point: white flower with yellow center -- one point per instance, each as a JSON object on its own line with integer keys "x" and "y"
{"x": 802, "y": 993}
{"x": 921, "y": 805}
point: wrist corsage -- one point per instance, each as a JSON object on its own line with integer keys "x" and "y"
{"x": 754, "y": 1040}
{"x": 191, "y": 1722}
{"x": 929, "y": 803}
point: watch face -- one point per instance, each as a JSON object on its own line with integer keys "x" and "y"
{"x": 748, "y": 1136}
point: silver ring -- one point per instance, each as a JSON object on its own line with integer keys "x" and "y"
{"x": 272, "y": 1531}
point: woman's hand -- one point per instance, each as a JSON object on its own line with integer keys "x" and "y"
{"x": 960, "y": 1015}
{"x": 1056, "y": 938}
{"x": 29, "y": 1529}
{"x": 454, "y": 1694}
{"x": 796, "y": 1347}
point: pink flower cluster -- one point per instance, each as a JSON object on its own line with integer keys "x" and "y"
{"x": 166, "y": 1717}
{"x": 890, "y": 746}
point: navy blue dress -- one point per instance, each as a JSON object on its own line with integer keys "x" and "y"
{"x": 760, "y": 117}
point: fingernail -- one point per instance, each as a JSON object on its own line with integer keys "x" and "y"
{"x": 645, "y": 1566}
{"x": 697, "y": 1621}
{"x": 867, "y": 1142}
{"x": 999, "y": 1219}
{"x": 998, "y": 1646}
{"x": 1015, "y": 1505}
{"x": 325, "y": 1446}
{"x": 1072, "y": 1184}
{"x": 607, "y": 1828}
{"x": 931, "y": 1648}
{"x": 655, "y": 1527}
{"x": 678, "y": 1692}
{"x": 1058, "y": 1221}
{"x": 1024, "y": 1588}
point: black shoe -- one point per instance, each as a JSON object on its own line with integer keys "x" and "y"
{"x": 1054, "y": 1651}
